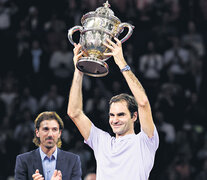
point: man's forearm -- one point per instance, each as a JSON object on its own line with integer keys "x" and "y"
{"x": 75, "y": 103}
{"x": 132, "y": 81}
{"x": 145, "y": 115}
{"x": 135, "y": 87}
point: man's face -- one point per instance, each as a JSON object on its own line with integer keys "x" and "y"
{"x": 120, "y": 119}
{"x": 48, "y": 133}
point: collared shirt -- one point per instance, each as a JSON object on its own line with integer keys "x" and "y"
{"x": 128, "y": 157}
{"x": 48, "y": 163}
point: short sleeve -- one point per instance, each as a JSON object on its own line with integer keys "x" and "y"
{"x": 97, "y": 138}
{"x": 151, "y": 143}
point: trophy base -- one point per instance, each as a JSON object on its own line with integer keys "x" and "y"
{"x": 92, "y": 67}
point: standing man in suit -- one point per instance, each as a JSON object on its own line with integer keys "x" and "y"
{"x": 48, "y": 161}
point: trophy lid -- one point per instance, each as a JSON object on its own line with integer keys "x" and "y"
{"x": 104, "y": 12}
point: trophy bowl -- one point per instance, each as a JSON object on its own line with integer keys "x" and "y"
{"x": 96, "y": 27}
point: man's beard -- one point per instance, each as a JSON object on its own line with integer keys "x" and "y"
{"x": 50, "y": 145}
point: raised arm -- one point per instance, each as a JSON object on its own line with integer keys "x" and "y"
{"x": 75, "y": 102}
{"x": 144, "y": 109}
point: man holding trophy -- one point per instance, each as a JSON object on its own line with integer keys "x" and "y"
{"x": 127, "y": 155}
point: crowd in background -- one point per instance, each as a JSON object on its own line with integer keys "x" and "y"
{"x": 167, "y": 52}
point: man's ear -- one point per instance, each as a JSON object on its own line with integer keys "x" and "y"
{"x": 60, "y": 133}
{"x": 135, "y": 116}
{"x": 37, "y": 132}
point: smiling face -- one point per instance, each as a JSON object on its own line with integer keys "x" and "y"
{"x": 49, "y": 133}
{"x": 120, "y": 119}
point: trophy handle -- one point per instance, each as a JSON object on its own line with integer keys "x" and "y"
{"x": 71, "y": 31}
{"x": 130, "y": 30}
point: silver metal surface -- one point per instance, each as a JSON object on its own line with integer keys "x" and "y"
{"x": 96, "y": 27}
{"x": 92, "y": 67}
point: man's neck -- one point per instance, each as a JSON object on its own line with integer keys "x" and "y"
{"x": 48, "y": 151}
{"x": 118, "y": 136}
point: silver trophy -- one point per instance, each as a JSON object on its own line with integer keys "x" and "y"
{"x": 96, "y": 27}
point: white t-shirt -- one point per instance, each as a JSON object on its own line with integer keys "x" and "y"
{"x": 130, "y": 157}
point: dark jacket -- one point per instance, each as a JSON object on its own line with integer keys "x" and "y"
{"x": 68, "y": 163}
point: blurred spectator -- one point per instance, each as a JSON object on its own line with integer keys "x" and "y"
{"x": 195, "y": 111}
{"x": 52, "y": 100}
{"x": 55, "y": 24}
{"x": 36, "y": 54}
{"x": 116, "y": 87}
{"x": 171, "y": 102}
{"x": 181, "y": 170}
{"x": 121, "y": 7}
{"x": 197, "y": 74}
{"x": 84, "y": 153}
{"x": 23, "y": 36}
{"x": 4, "y": 155}
{"x": 203, "y": 173}
{"x": 54, "y": 33}
{"x": 33, "y": 67}
{"x": 8, "y": 12}
{"x": 203, "y": 6}
{"x": 3, "y": 110}
{"x": 96, "y": 103}
{"x": 202, "y": 153}
{"x": 5, "y": 14}
{"x": 142, "y": 4}
{"x": 183, "y": 141}
{"x": 23, "y": 132}
{"x": 163, "y": 29}
{"x": 8, "y": 96}
{"x": 193, "y": 40}
{"x": 150, "y": 67}
{"x": 177, "y": 61}
{"x": 8, "y": 148}
{"x": 151, "y": 64}
{"x": 33, "y": 60}
{"x": 74, "y": 12}
{"x": 61, "y": 62}
{"x": 129, "y": 54}
{"x": 28, "y": 101}
{"x": 165, "y": 127}
{"x": 91, "y": 5}
{"x": 174, "y": 7}
{"x": 34, "y": 23}
{"x": 10, "y": 77}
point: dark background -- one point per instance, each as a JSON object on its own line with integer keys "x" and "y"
{"x": 167, "y": 52}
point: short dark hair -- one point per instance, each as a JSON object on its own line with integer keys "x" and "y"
{"x": 47, "y": 115}
{"x": 130, "y": 100}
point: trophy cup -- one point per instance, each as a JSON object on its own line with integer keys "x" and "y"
{"x": 96, "y": 27}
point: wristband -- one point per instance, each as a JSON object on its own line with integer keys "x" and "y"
{"x": 126, "y": 68}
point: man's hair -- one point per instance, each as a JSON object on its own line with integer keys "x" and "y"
{"x": 48, "y": 115}
{"x": 130, "y": 100}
